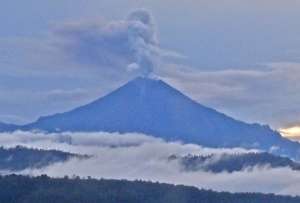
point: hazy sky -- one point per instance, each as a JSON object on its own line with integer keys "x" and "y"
{"x": 240, "y": 57}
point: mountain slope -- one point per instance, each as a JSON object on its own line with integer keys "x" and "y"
{"x": 7, "y": 127}
{"x": 153, "y": 107}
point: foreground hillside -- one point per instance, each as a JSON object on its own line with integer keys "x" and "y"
{"x": 20, "y": 158}
{"x": 44, "y": 189}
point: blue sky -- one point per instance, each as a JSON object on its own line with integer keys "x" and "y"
{"x": 241, "y": 57}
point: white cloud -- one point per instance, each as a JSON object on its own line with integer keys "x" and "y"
{"x": 136, "y": 156}
{"x": 291, "y": 132}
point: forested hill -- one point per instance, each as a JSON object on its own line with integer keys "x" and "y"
{"x": 44, "y": 189}
{"x": 234, "y": 162}
{"x": 20, "y": 158}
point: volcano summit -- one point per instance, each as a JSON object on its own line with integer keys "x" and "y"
{"x": 155, "y": 108}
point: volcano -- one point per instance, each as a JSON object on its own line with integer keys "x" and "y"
{"x": 153, "y": 107}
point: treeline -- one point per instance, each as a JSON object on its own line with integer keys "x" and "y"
{"x": 20, "y": 158}
{"x": 15, "y": 189}
{"x": 233, "y": 162}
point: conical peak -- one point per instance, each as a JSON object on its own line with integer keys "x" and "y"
{"x": 146, "y": 82}
{"x": 147, "y": 92}
{"x": 146, "y": 85}
{"x": 151, "y": 106}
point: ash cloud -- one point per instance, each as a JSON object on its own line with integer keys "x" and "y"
{"x": 125, "y": 45}
{"x": 137, "y": 156}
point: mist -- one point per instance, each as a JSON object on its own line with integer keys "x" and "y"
{"x": 137, "y": 156}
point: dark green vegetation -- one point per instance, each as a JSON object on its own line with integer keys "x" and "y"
{"x": 233, "y": 162}
{"x": 20, "y": 158}
{"x": 44, "y": 189}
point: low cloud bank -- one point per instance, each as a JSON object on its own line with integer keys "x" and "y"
{"x": 137, "y": 156}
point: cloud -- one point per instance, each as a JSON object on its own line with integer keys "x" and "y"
{"x": 12, "y": 119}
{"x": 266, "y": 95}
{"x": 143, "y": 40}
{"x": 137, "y": 156}
{"x": 101, "y": 139}
{"x": 63, "y": 95}
{"x": 131, "y": 42}
{"x": 291, "y": 132}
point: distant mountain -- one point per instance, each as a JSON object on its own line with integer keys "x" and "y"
{"x": 42, "y": 189}
{"x": 20, "y": 158}
{"x": 233, "y": 162}
{"x": 7, "y": 127}
{"x": 155, "y": 108}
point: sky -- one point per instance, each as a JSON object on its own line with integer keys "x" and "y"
{"x": 239, "y": 57}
